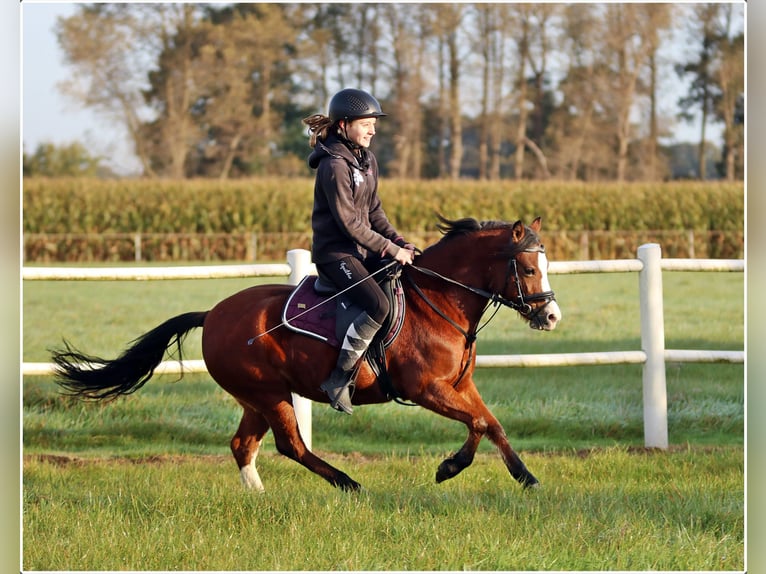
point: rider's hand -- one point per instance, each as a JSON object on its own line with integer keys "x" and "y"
{"x": 405, "y": 256}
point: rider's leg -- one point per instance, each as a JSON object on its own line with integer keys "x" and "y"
{"x": 355, "y": 342}
{"x": 370, "y": 297}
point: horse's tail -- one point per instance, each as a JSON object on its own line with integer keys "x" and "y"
{"x": 90, "y": 377}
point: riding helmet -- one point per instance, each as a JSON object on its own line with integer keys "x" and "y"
{"x": 351, "y": 104}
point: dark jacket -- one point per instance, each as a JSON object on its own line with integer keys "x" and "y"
{"x": 347, "y": 218}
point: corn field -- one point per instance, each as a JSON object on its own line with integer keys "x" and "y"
{"x": 70, "y": 219}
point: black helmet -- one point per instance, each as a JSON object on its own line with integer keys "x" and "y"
{"x": 351, "y": 104}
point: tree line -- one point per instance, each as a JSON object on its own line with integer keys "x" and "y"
{"x": 487, "y": 91}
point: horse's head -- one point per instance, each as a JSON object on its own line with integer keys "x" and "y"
{"x": 508, "y": 258}
{"x": 525, "y": 283}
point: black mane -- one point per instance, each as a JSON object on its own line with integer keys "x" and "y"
{"x": 454, "y": 227}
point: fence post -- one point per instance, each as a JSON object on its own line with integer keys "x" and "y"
{"x": 137, "y": 247}
{"x": 653, "y": 344}
{"x": 299, "y": 261}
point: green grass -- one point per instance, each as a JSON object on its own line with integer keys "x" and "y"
{"x": 147, "y": 482}
{"x": 605, "y": 510}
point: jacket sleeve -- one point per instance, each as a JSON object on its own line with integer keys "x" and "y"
{"x": 338, "y": 190}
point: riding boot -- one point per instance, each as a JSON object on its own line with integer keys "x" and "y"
{"x": 355, "y": 342}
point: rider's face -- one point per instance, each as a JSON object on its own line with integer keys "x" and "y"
{"x": 361, "y": 131}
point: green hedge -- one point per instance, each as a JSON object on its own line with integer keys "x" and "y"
{"x": 69, "y": 205}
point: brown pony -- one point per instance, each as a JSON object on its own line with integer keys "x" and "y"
{"x": 430, "y": 363}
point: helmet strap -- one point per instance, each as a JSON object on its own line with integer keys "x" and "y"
{"x": 343, "y": 133}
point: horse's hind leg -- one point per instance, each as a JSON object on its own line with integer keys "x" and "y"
{"x": 289, "y": 442}
{"x": 245, "y": 444}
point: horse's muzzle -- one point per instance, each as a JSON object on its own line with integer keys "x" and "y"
{"x": 545, "y": 318}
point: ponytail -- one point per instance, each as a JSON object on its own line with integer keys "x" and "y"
{"x": 319, "y": 126}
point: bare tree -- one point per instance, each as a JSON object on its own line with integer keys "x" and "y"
{"x": 486, "y": 17}
{"x": 702, "y": 25}
{"x": 407, "y": 83}
{"x": 448, "y": 18}
{"x": 730, "y": 76}
{"x": 105, "y": 76}
{"x": 497, "y": 51}
{"x": 522, "y": 37}
{"x": 631, "y": 26}
{"x": 659, "y": 18}
{"x": 543, "y": 16}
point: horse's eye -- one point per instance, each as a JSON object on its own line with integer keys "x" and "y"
{"x": 529, "y": 271}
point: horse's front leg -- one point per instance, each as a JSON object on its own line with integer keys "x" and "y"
{"x": 466, "y": 405}
{"x": 512, "y": 461}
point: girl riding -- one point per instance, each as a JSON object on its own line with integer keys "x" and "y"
{"x": 351, "y": 232}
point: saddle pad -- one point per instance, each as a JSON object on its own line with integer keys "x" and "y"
{"x": 314, "y": 315}
{"x": 310, "y": 314}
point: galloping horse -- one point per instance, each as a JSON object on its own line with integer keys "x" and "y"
{"x": 430, "y": 363}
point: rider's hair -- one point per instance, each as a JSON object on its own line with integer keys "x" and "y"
{"x": 319, "y": 126}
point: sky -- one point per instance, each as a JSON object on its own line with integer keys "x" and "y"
{"x": 49, "y": 116}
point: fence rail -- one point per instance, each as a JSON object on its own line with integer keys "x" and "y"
{"x": 562, "y": 245}
{"x": 653, "y": 355}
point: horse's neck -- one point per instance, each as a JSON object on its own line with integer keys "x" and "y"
{"x": 463, "y": 259}
{"x": 456, "y": 260}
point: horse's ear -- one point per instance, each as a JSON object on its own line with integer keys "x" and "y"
{"x": 518, "y": 231}
{"x": 537, "y": 224}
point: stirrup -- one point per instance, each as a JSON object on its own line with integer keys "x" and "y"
{"x": 338, "y": 388}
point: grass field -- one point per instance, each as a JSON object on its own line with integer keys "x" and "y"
{"x": 147, "y": 483}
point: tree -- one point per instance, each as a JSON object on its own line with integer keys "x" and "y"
{"x": 523, "y": 24}
{"x": 538, "y": 56}
{"x": 574, "y": 121}
{"x": 219, "y": 90}
{"x": 172, "y": 91}
{"x": 486, "y": 16}
{"x": 659, "y": 19}
{"x": 105, "y": 75}
{"x": 633, "y": 39}
{"x": 68, "y": 160}
{"x": 447, "y": 21}
{"x": 730, "y": 78}
{"x": 407, "y": 44}
{"x": 702, "y": 26}
{"x": 497, "y": 51}
{"x": 241, "y": 76}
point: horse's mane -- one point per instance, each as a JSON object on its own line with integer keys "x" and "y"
{"x": 451, "y": 228}
{"x": 454, "y": 227}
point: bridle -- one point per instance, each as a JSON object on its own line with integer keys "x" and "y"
{"x": 520, "y": 303}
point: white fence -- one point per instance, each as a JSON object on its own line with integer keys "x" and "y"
{"x": 653, "y": 355}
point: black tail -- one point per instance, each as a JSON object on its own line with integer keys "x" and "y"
{"x": 92, "y": 377}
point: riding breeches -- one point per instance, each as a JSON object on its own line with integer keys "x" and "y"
{"x": 366, "y": 293}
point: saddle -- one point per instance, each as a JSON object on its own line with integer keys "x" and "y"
{"x": 311, "y": 311}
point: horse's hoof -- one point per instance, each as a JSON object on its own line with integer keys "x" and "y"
{"x": 534, "y": 484}
{"x": 447, "y": 469}
{"x": 348, "y": 485}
